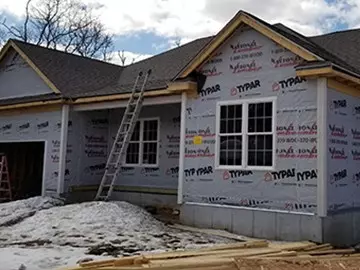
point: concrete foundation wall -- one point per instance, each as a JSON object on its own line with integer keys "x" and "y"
{"x": 146, "y": 199}
{"x": 137, "y": 198}
{"x": 273, "y": 225}
{"x": 342, "y": 229}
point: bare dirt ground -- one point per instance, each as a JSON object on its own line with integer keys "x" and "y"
{"x": 299, "y": 264}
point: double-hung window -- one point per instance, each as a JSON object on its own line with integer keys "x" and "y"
{"x": 246, "y": 134}
{"x": 143, "y": 149}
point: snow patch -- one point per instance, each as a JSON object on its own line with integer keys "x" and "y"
{"x": 42, "y": 258}
{"x": 48, "y": 234}
{"x": 16, "y": 211}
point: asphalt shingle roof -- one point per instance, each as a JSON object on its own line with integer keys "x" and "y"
{"x": 344, "y": 44}
{"x": 43, "y": 97}
{"x": 77, "y": 76}
{"x": 71, "y": 74}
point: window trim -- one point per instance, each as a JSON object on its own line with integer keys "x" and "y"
{"x": 245, "y": 134}
{"x": 141, "y": 142}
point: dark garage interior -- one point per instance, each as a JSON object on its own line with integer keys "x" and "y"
{"x": 25, "y": 161}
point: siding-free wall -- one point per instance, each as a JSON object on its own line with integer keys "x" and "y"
{"x": 166, "y": 174}
{"x": 40, "y": 126}
{"x": 87, "y": 147}
{"x": 18, "y": 79}
{"x": 92, "y": 137}
{"x": 247, "y": 66}
{"x": 343, "y": 153}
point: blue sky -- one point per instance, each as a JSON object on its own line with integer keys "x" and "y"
{"x": 147, "y": 27}
{"x": 142, "y": 43}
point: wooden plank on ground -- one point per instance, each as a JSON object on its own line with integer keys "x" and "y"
{"x": 224, "y": 257}
{"x": 206, "y": 251}
{"x": 292, "y": 246}
{"x": 333, "y": 251}
{"x": 317, "y": 247}
{"x": 278, "y": 254}
{"x": 217, "y": 254}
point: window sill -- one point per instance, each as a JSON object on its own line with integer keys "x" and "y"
{"x": 141, "y": 165}
{"x": 249, "y": 168}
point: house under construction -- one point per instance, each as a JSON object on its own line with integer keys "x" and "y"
{"x": 254, "y": 130}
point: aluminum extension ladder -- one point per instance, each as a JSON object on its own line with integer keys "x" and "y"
{"x": 121, "y": 142}
{"x": 5, "y": 186}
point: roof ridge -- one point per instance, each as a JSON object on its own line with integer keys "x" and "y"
{"x": 336, "y": 32}
{"x": 167, "y": 51}
{"x": 66, "y": 53}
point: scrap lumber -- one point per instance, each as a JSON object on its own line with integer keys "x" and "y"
{"x": 297, "y": 246}
{"x": 332, "y": 251}
{"x": 275, "y": 255}
{"x": 226, "y": 257}
{"x": 317, "y": 247}
{"x": 207, "y": 251}
{"x": 226, "y": 254}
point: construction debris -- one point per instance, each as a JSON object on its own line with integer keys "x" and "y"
{"x": 245, "y": 255}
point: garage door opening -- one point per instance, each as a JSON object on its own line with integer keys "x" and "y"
{"x": 25, "y": 160}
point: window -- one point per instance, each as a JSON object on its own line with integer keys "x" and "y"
{"x": 246, "y": 134}
{"x": 143, "y": 147}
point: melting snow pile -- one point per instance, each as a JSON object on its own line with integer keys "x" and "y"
{"x": 110, "y": 228}
{"x": 42, "y": 233}
{"x": 16, "y": 211}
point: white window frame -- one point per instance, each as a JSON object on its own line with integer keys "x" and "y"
{"x": 244, "y": 133}
{"x": 141, "y": 142}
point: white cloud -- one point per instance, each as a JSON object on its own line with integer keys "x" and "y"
{"x": 190, "y": 19}
{"x": 15, "y": 7}
{"x": 129, "y": 57}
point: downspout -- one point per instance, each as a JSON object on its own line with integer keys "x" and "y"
{"x": 182, "y": 147}
{"x": 63, "y": 148}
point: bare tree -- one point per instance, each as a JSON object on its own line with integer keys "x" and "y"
{"x": 2, "y": 33}
{"x": 178, "y": 42}
{"x": 123, "y": 57}
{"x": 67, "y": 25}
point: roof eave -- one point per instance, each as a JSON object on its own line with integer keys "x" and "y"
{"x": 330, "y": 71}
{"x": 32, "y": 104}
